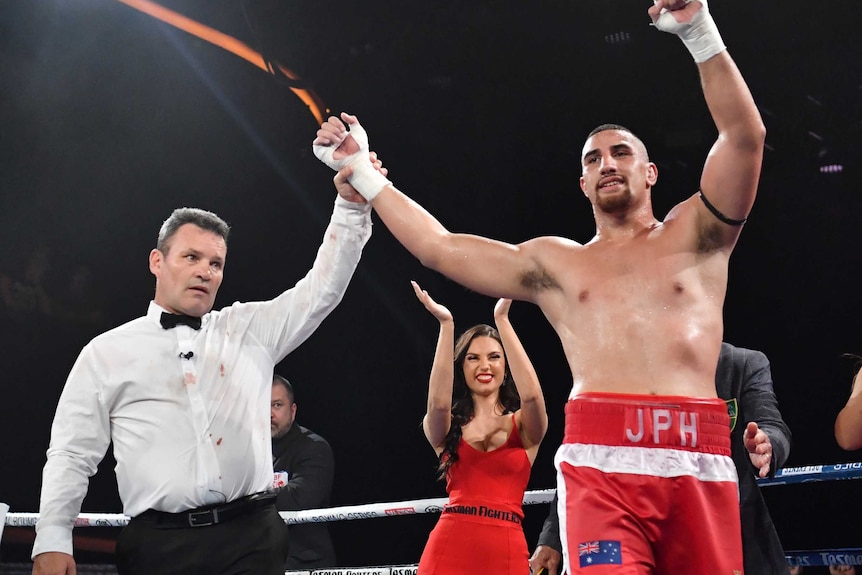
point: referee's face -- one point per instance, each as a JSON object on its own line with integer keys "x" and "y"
{"x": 190, "y": 271}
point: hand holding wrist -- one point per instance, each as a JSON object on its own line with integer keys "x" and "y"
{"x": 366, "y": 179}
{"x": 339, "y": 149}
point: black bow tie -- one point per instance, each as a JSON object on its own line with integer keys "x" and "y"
{"x": 170, "y": 320}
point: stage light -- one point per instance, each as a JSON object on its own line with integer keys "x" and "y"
{"x": 618, "y": 38}
{"x": 831, "y": 168}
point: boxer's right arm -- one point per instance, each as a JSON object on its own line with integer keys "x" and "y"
{"x": 340, "y": 149}
{"x": 490, "y": 267}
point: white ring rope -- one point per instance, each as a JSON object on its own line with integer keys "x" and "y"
{"x": 785, "y": 476}
{"x": 365, "y": 511}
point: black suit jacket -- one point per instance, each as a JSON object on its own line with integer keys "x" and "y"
{"x": 742, "y": 375}
{"x": 307, "y": 459}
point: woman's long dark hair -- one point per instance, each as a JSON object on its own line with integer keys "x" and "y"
{"x": 462, "y": 399}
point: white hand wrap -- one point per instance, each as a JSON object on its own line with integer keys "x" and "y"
{"x": 700, "y": 35}
{"x": 365, "y": 178}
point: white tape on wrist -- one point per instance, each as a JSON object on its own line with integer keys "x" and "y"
{"x": 700, "y": 35}
{"x": 367, "y": 180}
{"x": 326, "y": 155}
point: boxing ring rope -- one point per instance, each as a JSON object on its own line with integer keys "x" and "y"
{"x": 784, "y": 476}
{"x": 364, "y": 511}
{"x": 813, "y": 473}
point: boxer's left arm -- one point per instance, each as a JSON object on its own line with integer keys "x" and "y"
{"x": 732, "y": 169}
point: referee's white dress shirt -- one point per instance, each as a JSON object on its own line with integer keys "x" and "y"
{"x": 187, "y": 432}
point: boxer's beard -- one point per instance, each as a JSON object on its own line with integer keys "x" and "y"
{"x": 611, "y": 204}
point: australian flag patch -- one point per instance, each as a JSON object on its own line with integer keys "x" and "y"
{"x": 599, "y": 553}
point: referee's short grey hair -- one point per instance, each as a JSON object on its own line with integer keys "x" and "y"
{"x": 201, "y": 218}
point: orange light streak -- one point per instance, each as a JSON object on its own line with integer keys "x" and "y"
{"x": 230, "y": 44}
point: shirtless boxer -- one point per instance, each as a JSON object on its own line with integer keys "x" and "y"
{"x": 638, "y": 309}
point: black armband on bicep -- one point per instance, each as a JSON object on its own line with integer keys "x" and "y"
{"x": 718, "y": 214}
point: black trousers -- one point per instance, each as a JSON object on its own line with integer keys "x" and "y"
{"x": 255, "y": 543}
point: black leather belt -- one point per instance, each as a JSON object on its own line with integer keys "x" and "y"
{"x": 210, "y": 514}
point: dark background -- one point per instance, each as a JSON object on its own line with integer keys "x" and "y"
{"x": 109, "y": 119}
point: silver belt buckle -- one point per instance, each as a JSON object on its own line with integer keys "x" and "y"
{"x": 203, "y": 522}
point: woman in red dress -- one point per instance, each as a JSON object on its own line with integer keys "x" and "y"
{"x": 485, "y": 420}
